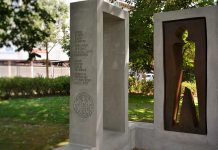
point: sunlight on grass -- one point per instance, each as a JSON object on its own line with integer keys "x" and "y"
{"x": 141, "y": 108}
{"x": 4, "y": 102}
{"x": 63, "y": 143}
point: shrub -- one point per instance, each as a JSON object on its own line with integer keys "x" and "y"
{"x": 147, "y": 87}
{"x": 30, "y": 87}
{"x": 131, "y": 82}
{"x": 134, "y": 85}
{"x": 143, "y": 86}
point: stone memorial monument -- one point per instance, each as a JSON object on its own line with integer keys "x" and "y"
{"x": 99, "y": 77}
{"x": 99, "y": 80}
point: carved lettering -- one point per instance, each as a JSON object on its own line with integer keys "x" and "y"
{"x": 80, "y": 53}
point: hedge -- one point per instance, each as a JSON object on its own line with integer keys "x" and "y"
{"x": 37, "y": 87}
{"x": 31, "y": 87}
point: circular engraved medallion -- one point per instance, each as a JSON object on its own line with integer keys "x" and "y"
{"x": 83, "y": 105}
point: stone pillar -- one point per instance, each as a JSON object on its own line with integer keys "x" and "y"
{"x": 87, "y": 76}
{"x": 99, "y": 77}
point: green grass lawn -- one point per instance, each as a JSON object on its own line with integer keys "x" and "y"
{"x": 33, "y": 124}
{"x": 42, "y": 123}
{"x": 141, "y": 108}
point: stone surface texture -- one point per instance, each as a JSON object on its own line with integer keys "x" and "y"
{"x": 99, "y": 77}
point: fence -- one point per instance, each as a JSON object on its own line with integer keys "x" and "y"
{"x": 33, "y": 71}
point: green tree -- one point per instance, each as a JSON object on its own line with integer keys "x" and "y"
{"x": 59, "y": 10}
{"x": 23, "y": 23}
{"x": 188, "y": 52}
{"x": 141, "y": 28}
{"x": 141, "y": 34}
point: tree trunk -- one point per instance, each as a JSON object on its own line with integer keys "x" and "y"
{"x": 46, "y": 61}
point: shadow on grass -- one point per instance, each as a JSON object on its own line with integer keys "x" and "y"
{"x": 18, "y": 136}
{"x": 34, "y": 124}
{"x": 141, "y": 108}
{"x": 33, "y": 111}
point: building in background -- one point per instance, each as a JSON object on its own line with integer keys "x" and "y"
{"x": 14, "y": 63}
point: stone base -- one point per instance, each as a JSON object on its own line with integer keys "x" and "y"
{"x": 146, "y": 137}
{"x": 75, "y": 147}
{"x": 115, "y": 141}
{"x": 111, "y": 141}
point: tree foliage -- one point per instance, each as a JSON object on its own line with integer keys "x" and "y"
{"x": 65, "y": 42}
{"x": 188, "y": 51}
{"x": 58, "y": 9}
{"x": 59, "y": 31}
{"x": 23, "y": 23}
{"x": 141, "y": 28}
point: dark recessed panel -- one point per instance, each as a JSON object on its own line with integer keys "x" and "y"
{"x": 185, "y": 58}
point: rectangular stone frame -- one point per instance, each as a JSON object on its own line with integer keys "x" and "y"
{"x": 101, "y": 31}
{"x": 114, "y": 80}
{"x": 185, "y": 140}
